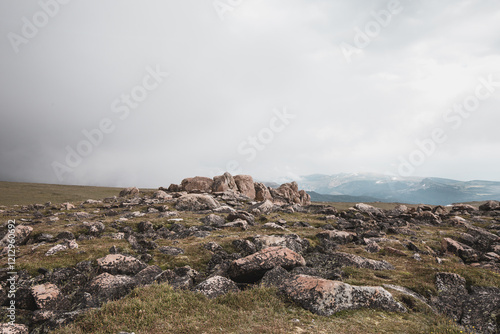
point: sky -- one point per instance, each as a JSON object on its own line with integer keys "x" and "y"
{"x": 146, "y": 93}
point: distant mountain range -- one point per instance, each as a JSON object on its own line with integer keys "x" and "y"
{"x": 365, "y": 187}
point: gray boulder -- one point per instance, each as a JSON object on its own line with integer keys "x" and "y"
{"x": 216, "y": 286}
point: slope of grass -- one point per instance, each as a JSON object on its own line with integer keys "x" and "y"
{"x": 159, "y": 309}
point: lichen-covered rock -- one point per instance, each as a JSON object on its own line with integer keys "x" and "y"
{"x": 216, "y": 286}
{"x": 477, "y": 310}
{"x": 253, "y": 267}
{"x": 13, "y": 329}
{"x": 47, "y": 296}
{"x": 147, "y": 275}
{"x": 326, "y": 297}
{"x": 106, "y": 287}
{"x": 120, "y": 264}
{"x": 19, "y": 237}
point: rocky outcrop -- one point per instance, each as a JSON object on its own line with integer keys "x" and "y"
{"x": 288, "y": 193}
{"x": 244, "y": 185}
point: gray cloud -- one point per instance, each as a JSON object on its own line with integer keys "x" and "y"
{"x": 227, "y": 77}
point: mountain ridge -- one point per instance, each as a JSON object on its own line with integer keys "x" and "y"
{"x": 411, "y": 190}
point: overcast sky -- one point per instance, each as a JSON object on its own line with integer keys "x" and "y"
{"x": 278, "y": 88}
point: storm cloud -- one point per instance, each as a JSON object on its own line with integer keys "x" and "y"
{"x": 148, "y": 92}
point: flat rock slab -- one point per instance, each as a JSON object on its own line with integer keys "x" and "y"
{"x": 326, "y": 297}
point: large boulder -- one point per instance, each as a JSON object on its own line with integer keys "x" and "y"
{"x": 120, "y": 264}
{"x": 465, "y": 252}
{"x": 197, "y": 184}
{"x": 20, "y": 236}
{"x": 262, "y": 192}
{"x": 245, "y": 185}
{"x": 47, "y": 296}
{"x": 224, "y": 183}
{"x": 451, "y": 294}
{"x": 107, "y": 287}
{"x": 196, "y": 202}
{"x": 161, "y": 195}
{"x": 253, "y": 267}
{"x": 216, "y": 286}
{"x": 147, "y": 275}
{"x": 326, "y": 297}
{"x": 213, "y": 220}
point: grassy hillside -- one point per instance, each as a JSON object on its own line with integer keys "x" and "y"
{"x": 12, "y": 193}
{"x": 160, "y": 309}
